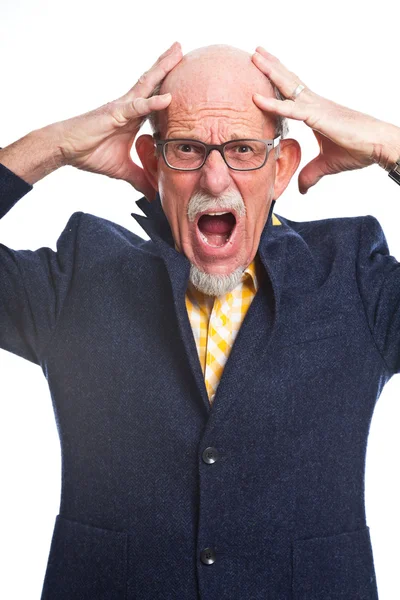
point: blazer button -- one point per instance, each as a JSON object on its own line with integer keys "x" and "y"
{"x": 207, "y": 556}
{"x": 210, "y": 455}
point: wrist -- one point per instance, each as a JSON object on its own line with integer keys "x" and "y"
{"x": 387, "y": 152}
{"x": 35, "y": 155}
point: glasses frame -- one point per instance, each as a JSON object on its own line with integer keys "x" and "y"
{"x": 160, "y": 145}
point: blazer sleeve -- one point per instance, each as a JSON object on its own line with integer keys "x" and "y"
{"x": 378, "y": 278}
{"x": 33, "y": 284}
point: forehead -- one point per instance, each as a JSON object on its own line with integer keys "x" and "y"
{"x": 214, "y": 116}
{"x": 214, "y": 94}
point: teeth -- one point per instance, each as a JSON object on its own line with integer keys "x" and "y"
{"x": 217, "y": 213}
{"x": 207, "y": 242}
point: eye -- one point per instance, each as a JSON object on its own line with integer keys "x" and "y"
{"x": 186, "y": 148}
{"x": 242, "y": 149}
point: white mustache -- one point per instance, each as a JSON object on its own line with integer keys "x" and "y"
{"x": 202, "y": 202}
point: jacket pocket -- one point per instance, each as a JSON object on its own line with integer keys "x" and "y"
{"x": 338, "y": 567}
{"x": 85, "y": 563}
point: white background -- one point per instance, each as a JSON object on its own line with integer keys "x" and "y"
{"x": 60, "y": 59}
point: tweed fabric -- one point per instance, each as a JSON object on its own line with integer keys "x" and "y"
{"x": 282, "y": 504}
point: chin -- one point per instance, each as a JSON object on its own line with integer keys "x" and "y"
{"x": 215, "y": 284}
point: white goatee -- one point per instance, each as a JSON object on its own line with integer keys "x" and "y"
{"x": 209, "y": 283}
{"x": 215, "y": 284}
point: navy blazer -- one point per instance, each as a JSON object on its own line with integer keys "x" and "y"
{"x": 260, "y": 495}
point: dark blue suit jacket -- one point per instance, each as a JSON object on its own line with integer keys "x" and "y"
{"x": 164, "y": 497}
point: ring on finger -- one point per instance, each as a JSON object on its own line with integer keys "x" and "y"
{"x": 297, "y": 91}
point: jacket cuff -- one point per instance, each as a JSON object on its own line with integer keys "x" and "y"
{"x": 12, "y": 188}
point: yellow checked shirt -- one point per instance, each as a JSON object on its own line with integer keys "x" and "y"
{"x": 216, "y": 321}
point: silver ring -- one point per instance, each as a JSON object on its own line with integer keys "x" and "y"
{"x": 297, "y": 91}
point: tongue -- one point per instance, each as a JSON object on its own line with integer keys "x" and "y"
{"x": 222, "y": 224}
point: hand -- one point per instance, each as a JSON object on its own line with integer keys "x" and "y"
{"x": 347, "y": 139}
{"x": 100, "y": 141}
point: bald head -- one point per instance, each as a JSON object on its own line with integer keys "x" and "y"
{"x": 212, "y": 70}
{"x": 212, "y": 91}
{"x": 216, "y": 77}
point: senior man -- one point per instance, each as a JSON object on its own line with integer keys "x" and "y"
{"x": 213, "y": 386}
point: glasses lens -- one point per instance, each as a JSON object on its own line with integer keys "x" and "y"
{"x": 245, "y": 154}
{"x": 184, "y": 155}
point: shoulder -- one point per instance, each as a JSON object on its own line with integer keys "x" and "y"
{"x": 339, "y": 240}
{"x": 94, "y": 225}
{"x": 332, "y": 224}
{"x": 93, "y": 239}
{"x": 85, "y": 227}
{"x": 345, "y": 231}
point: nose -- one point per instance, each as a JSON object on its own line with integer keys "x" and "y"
{"x": 215, "y": 175}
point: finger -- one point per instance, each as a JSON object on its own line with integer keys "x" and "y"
{"x": 139, "y": 107}
{"x": 151, "y": 78}
{"x": 168, "y": 51}
{"x": 285, "y": 80}
{"x": 284, "y": 108}
{"x": 312, "y": 173}
{"x": 266, "y": 54}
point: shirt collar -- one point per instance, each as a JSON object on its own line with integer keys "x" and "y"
{"x": 284, "y": 253}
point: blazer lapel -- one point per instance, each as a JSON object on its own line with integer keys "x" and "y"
{"x": 281, "y": 250}
{"x": 178, "y": 268}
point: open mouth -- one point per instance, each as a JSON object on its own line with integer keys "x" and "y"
{"x": 216, "y": 228}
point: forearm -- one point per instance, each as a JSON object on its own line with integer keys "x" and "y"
{"x": 34, "y": 156}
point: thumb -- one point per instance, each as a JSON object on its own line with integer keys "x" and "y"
{"x": 312, "y": 173}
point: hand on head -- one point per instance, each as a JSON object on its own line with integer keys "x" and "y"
{"x": 100, "y": 141}
{"x": 347, "y": 139}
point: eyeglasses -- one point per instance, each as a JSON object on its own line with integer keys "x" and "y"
{"x": 240, "y": 155}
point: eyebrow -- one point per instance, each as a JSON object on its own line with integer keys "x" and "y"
{"x": 238, "y": 136}
{"x": 234, "y": 136}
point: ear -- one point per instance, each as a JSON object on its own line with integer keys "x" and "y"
{"x": 286, "y": 165}
{"x": 147, "y": 153}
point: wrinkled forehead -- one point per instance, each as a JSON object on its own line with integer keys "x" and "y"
{"x": 211, "y": 85}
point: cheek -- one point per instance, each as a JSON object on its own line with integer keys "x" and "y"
{"x": 257, "y": 192}
{"x": 256, "y": 183}
{"x": 173, "y": 205}
{"x": 176, "y": 182}
{"x": 176, "y": 189}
